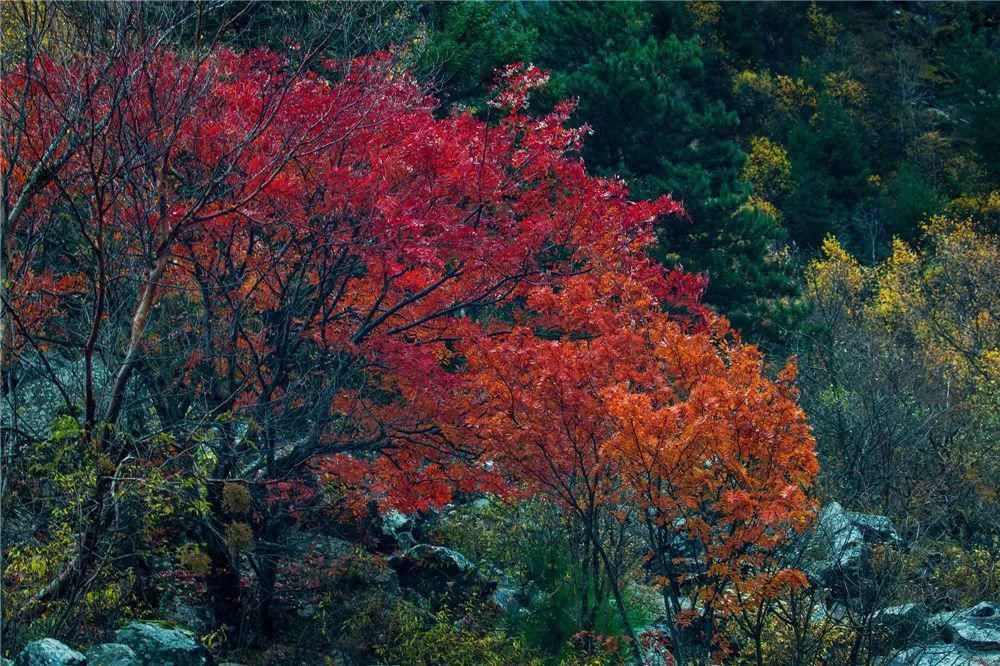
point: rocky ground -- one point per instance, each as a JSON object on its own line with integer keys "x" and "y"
{"x": 836, "y": 556}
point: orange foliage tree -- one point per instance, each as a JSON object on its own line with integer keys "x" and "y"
{"x": 608, "y": 404}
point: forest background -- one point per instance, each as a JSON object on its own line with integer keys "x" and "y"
{"x": 837, "y": 167}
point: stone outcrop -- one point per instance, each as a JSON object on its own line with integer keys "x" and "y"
{"x": 942, "y": 655}
{"x": 902, "y": 624}
{"x": 957, "y": 638}
{"x": 838, "y": 559}
{"x": 163, "y": 646}
{"x": 841, "y": 547}
{"x": 138, "y": 644}
{"x": 428, "y": 568}
{"x": 112, "y": 654}
{"x": 49, "y": 652}
{"x": 976, "y": 628}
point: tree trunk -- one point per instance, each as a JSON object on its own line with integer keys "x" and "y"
{"x": 223, "y": 580}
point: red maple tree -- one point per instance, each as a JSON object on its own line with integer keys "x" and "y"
{"x": 314, "y": 279}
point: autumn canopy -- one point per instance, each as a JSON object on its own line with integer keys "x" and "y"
{"x": 308, "y": 282}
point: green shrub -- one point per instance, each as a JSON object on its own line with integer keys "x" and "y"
{"x": 415, "y": 637}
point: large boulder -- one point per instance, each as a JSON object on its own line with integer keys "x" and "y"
{"x": 875, "y": 529}
{"x": 298, "y": 545}
{"x": 394, "y": 521}
{"x": 841, "y": 546}
{"x": 398, "y": 529}
{"x": 49, "y": 652}
{"x": 942, "y": 654}
{"x": 506, "y": 598}
{"x": 903, "y": 624}
{"x": 436, "y": 571}
{"x": 112, "y": 654}
{"x": 443, "y": 560}
{"x": 184, "y": 612}
{"x": 958, "y": 638}
{"x": 976, "y": 628}
{"x": 163, "y": 646}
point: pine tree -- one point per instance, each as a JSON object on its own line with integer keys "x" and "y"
{"x": 647, "y": 91}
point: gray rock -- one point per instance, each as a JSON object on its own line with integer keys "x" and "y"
{"x": 842, "y": 542}
{"x": 112, "y": 654}
{"x": 49, "y": 652}
{"x": 508, "y": 599}
{"x": 182, "y": 612}
{"x": 435, "y": 570}
{"x": 840, "y": 546}
{"x": 296, "y": 550}
{"x": 875, "y": 528}
{"x": 901, "y": 624}
{"x": 445, "y": 559}
{"x": 405, "y": 540}
{"x": 836, "y": 611}
{"x": 647, "y": 597}
{"x": 684, "y": 546}
{"x": 399, "y": 529}
{"x": 976, "y": 628}
{"x": 162, "y": 646}
{"x": 395, "y": 521}
{"x": 297, "y": 545}
{"x": 942, "y": 654}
